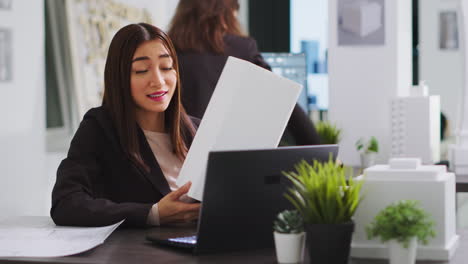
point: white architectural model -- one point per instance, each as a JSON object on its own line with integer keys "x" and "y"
{"x": 458, "y": 154}
{"x": 416, "y": 126}
{"x": 362, "y": 17}
{"x": 407, "y": 179}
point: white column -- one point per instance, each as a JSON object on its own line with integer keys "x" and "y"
{"x": 458, "y": 154}
{"x": 364, "y": 79}
{"x": 463, "y": 120}
{"x": 441, "y": 68}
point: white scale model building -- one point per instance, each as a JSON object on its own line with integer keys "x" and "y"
{"x": 406, "y": 178}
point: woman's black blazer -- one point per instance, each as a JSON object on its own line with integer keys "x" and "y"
{"x": 98, "y": 185}
{"x": 199, "y": 73}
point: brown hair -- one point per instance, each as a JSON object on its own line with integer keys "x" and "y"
{"x": 200, "y": 25}
{"x": 117, "y": 96}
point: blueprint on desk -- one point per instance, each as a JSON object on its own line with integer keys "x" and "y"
{"x": 38, "y": 236}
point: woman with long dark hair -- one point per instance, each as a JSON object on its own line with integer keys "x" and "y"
{"x": 126, "y": 155}
{"x": 204, "y": 34}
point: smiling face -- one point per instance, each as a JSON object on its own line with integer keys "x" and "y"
{"x": 153, "y": 80}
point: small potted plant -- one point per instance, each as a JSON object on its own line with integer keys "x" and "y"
{"x": 402, "y": 225}
{"x": 289, "y": 236}
{"x": 368, "y": 150}
{"x": 327, "y": 200}
{"x": 328, "y": 133}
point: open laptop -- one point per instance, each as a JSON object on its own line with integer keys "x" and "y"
{"x": 243, "y": 193}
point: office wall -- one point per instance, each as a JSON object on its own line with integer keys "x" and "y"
{"x": 364, "y": 79}
{"x": 22, "y": 113}
{"x": 243, "y": 15}
{"x": 162, "y": 12}
{"x": 442, "y": 69}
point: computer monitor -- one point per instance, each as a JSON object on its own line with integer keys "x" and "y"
{"x": 292, "y": 66}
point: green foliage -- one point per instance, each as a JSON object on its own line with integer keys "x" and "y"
{"x": 402, "y": 221}
{"x": 321, "y": 192}
{"x": 366, "y": 147}
{"x": 289, "y": 222}
{"x": 329, "y": 134}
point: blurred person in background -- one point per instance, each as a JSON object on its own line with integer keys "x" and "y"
{"x": 204, "y": 34}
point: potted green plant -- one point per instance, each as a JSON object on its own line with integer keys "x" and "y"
{"x": 327, "y": 200}
{"x": 402, "y": 224}
{"x": 289, "y": 236}
{"x": 368, "y": 151}
{"x": 329, "y": 133}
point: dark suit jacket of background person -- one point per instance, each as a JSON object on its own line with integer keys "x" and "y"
{"x": 98, "y": 185}
{"x": 199, "y": 73}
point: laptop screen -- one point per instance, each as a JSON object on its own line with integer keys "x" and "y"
{"x": 244, "y": 190}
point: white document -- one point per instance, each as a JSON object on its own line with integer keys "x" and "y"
{"x": 249, "y": 109}
{"x": 38, "y": 236}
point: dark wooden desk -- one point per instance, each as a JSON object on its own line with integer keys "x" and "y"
{"x": 460, "y": 256}
{"x": 130, "y": 246}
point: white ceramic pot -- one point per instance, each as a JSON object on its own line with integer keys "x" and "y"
{"x": 400, "y": 255}
{"x": 289, "y": 247}
{"x": 368, "y": 159}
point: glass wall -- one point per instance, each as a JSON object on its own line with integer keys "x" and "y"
{"x": 309, "y": 35}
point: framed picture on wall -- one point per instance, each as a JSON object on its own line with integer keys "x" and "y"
{"x": 91, "y": 26}
{"x": 6, "y": 67}
{"x": 5, "y": 4}
{"x": 361, "y": 22}
{"x": 448, "y": 30}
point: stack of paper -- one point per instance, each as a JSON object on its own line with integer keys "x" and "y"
{"x": 37, "y": 236}
{"x": 249, "y": 109}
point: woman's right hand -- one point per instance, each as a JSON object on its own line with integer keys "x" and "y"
{"x": 172, "y": 210}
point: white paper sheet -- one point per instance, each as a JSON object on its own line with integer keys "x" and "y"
{"x": 249, "y": 109}
{"x": 38, "y": 236}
